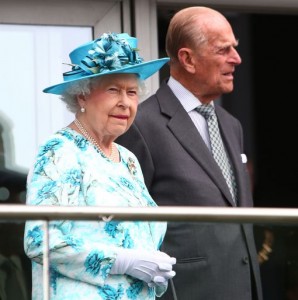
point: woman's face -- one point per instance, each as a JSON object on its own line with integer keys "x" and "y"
{"x": 111, "y": 106}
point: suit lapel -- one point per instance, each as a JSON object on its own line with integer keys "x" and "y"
{"x": 189, "y": 137}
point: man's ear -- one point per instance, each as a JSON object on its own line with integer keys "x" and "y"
{"x": 186, "y": 59}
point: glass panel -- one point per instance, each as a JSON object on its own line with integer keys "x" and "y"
{"x": 31, "y": 59}
{"x": 279, "y": 262}
{"x": 279, "y": 269}
{"x": 15, "y": 266}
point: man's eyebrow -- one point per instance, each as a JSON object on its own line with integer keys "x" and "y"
{"x": 227, "y": 45}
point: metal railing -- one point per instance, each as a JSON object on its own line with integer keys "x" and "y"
{"x": 165, "y": 213}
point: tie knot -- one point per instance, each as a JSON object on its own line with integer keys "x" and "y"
{"x": 206, "y": 110}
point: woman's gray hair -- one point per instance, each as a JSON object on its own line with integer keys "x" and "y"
{"x": 85, "y": 86}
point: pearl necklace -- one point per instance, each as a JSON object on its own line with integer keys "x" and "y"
{"x": 113, "y": 150}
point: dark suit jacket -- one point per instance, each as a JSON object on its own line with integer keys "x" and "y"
{"x": 214, "y": 261}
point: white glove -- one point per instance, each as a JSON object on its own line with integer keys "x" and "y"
{"x": 154, "y": 267}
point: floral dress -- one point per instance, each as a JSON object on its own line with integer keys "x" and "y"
{"x": 70, "y": 171}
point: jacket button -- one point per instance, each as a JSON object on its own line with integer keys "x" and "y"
{"x": 245, "y": 260}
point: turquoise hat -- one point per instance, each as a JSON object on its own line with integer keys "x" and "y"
{"x": 109, "y": 54}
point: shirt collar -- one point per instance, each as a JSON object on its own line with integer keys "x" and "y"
{"x": 186, "y": 98}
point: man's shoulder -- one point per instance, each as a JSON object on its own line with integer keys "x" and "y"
{"x": 163, "y": 97}
{"x": 224, "y": 113}
{"x": 148, "y": 103}
{"x": 147, "y": 109}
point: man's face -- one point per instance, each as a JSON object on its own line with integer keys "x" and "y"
{"x": 215, "y": 63}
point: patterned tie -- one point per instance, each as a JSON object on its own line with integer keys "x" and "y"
{"x": 217, "y": 147}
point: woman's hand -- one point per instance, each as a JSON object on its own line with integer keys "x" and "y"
{"x": 154, "y": 267}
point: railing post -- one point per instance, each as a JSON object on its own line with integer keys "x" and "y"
{"x": 46, "y": 264}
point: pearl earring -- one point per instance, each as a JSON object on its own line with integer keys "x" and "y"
{"x": 83, "y": 109}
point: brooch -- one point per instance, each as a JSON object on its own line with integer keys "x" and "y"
{"x": 131, "y": 166}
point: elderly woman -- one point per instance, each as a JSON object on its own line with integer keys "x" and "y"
{"x": 81, "y": 165}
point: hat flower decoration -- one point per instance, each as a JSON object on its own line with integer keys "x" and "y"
{"x": 111, "y": 53}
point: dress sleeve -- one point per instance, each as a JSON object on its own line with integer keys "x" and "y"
{"x": 55, "y": 180}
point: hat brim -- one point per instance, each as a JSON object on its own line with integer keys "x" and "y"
{"x": 143, "y": 70}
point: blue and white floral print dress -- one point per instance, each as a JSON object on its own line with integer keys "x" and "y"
{"x": 69, "y": 170}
